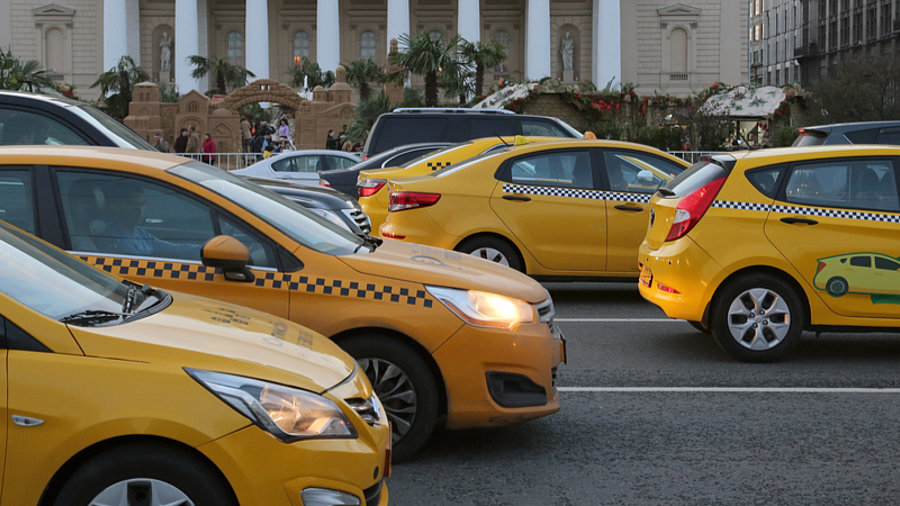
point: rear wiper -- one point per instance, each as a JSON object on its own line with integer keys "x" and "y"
{"x": 665, "y": 192}
{"x": 91, "y": 317}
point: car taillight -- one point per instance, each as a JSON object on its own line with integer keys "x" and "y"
{"x": 369, "y": 187}
{"x": 411, "y": 200}
{"x": 324, "y": 183}
{"x": 692, "y": 208}
{"x": 820, "y": 267}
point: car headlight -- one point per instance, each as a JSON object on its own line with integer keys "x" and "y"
{"x": 330, "y": 216}
{"x": 290, "y": 414}
{"x": 484, "y": 309}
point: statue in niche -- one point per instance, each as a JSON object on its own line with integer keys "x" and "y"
{"x": 165, "y": 53}
{"x": 567, "y": 52}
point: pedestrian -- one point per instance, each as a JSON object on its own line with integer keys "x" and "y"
{"x": 159, "y": 143}
{"x": 342, "y": 135}
{"x": 181, "y": 141}
{"x": 193, "y": 142}
{"x": 283, "y": 129}
{"x": 209, "y": 149}
{"x": 246, "y": 135}
{"x": 329, "y": 140}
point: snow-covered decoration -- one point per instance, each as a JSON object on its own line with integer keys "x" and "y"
{"x": 742, "y": 101}
{"x": 505, "y": 95}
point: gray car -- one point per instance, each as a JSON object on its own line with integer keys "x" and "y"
{"x": 861, "y": 132}
{"x": 300, "y": 166}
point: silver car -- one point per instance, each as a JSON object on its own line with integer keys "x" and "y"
{"x": 300, "y": 166}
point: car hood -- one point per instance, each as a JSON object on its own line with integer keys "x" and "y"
{"x": 435, "y": 266}
{"x": 205, "y": 334}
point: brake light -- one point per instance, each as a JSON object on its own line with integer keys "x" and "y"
{"x": 411, "y": 200}
{"x": 324, "y": 183}
{"x": 369, "y": 187}
{"x": 821, "y": 266}
{"x": 667, "y": 289}
{"x": 692, "y": 208}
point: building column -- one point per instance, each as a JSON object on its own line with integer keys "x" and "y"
{"x": 537, "y": 39}
{"x": 115, "y": 35}
{"x": 256, "y": 38}
{"x": 328, "y": 34}
{"x": 469, "y": 20}
{"x": 6, "y": 24}
{"x": 187, "y": 44}
{"x": 607, "y": 50}
{"x": 397, "y": 21}
{"x": 133, "y": 11}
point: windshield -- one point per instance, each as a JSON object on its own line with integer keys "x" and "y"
{"x": 304, "y": 227}
{"x": 51, "y": 282}
{"x": 127, "y": 137}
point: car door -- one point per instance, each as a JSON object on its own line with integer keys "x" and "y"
{"x": 151, "y": 232}
{"x": 550, "y": 203}
{"x": 630, "y": 178}
{"x": 849, "y": 208}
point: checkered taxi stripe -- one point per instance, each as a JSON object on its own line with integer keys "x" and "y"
{"x": 267, "y": 279}
{"x": 437, "y": 165}
{"x": 577, "y": 193}
{"x": 808, "y": 211}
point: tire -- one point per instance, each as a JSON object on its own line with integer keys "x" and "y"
{"x": 170, "y": 475}
{"x": 492, "y": 249}
{"x": 699, "y": 326}
{"x": 837, "y": 286}
{"x": 751, "y": 335}
{"x": 404, "y": 384}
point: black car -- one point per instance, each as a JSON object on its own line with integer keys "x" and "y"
{"x": 30, "y": 118}
{"x": 344, "y": 180}
{"x": 428, "y": 124}
{"x": 861, "y": 132}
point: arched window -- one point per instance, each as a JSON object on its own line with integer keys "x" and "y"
{"x": 234, "y": 48}
{"x": 301, "y": 46}
{"x": 501, "y": 37}
{"x": 678, "y": 51}
{"x": 54, "y": 44}
{"x": 367, "y": 45}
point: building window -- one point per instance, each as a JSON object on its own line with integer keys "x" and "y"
{"x": 234, "y": 48}
{"x": 678, "y": 47}
{"x": 367, "y": 45}
{"x": 502, "y": 37}
{"x": 301, "y": 47}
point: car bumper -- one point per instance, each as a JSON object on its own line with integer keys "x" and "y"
{"x": 416, "y": 226}
{"x": 677, "y": 277}
{"x": 498, "y": 377}
{"x": 263, "y": 470}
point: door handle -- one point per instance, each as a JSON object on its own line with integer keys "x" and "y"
{"x": 517, "y": 197}
{"x": 624, "y": 207}
{"x": 792, "y": 221}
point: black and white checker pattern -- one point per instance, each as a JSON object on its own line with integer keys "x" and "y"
{"x": 577, "y": 193}
{"x": 826, "y": 212}
{"x": 437, "y": 165}
{"x": 342, "y": 288}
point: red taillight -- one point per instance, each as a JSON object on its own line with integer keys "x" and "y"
{"x": 412, "y": 200}
{"x": 369, "y": 187}
{"x": 324, "y": 183}
{"x": 820, "y": 267}
{"x": 692, "y": 208}
{"x": 667, "y": 289}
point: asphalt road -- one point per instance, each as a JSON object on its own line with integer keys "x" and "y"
{"x": 654, "y": 413}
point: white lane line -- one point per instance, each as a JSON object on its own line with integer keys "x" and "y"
{"x": 619, "y": 320}
{"x": 754, "y": 390}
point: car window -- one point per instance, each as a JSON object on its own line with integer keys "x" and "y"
{"x": 866, "y": 136}
{"x": 886, "y": 264}
{"x": 861, "y": 184}
{"x": 533, "y": 127}
{"x": 306, "y": 163}
{"x": 810, "y": 138}
{"x": 889, "y": 136}
{"x": 570, "y": 169}
{"x": 17, "y": 199}
{"x": 130, "y": 216}
{"x": 861, "y": 261}
{"x": 490, "y": 127}
{"x": 765, "y": 180}
{"x": 24, "y": 127}
{"x": 630, "y": 171}
{"x": 262, "y": 254}
{"x": 409, "y": 129}
{"x": 340, "y": 162}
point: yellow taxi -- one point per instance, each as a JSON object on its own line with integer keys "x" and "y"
{"x": 113, "y": 390}
{"x": 446, "y": 339}
{"x": 374, "y": 202}
{"x": 555, "y": 209}
{"x": 758, "y": 246}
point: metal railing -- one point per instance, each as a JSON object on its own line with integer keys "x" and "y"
{"x": 691, "y": 156}
{"x": 225, "y": 161}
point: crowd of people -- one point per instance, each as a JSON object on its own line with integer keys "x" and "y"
{"x": 338, "y": 141}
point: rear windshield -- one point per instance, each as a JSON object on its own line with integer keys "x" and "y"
{"x": 810, "y": 139}
{"x": 698, "y": 175}
{"x": 407, "y": 129}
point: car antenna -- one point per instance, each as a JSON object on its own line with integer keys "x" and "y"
{"x": 501, "y": 140}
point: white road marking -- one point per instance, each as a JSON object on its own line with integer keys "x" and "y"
{"x": 618, "y": 320}
{"x": 753, "y": 390}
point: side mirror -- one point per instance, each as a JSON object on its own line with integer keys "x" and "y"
{"x": 646, "y": 177}
{"x": 227, "y": 253}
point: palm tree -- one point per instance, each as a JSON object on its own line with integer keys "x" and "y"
{"x": 15, "y": 75}
{"x": 117, "y": 84}
{"x": 224, "y": 74}
{"x": 362, "y": 72}
{"x": 313, "y": 74}
{"x": 483, "y": 55}
{"x": 429, "y": 57}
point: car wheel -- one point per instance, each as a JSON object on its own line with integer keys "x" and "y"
{"x": 404, "y": 385}
{"x": 145, "y": 473}
{"x": 492, "y": 249}
{"x": 757, "y": 318}
{"x": 699, "y": 326}
{"x": 836, "y": 286}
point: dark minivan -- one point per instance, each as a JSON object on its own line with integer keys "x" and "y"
{"x": 861, "y": 132}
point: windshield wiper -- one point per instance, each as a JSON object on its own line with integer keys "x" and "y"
{"x": 131, "y": 300}
{"x": 374, "y": 242}
{"x": 91, "y": 317}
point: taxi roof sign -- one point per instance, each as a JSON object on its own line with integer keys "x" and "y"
{"x": 520, "y": 140}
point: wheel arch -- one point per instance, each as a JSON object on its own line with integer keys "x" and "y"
{"x": 49, "y": 495}
{"x": 762, "y": 269}
{"x": 500, "y": 237}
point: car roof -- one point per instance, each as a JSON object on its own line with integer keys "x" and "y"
{"x": 814, "y": 152}
{"x": 563, "y": 142}
{"x": 850, "y": 126}
{"x": 24, "y": 96}
{"x": 95, "y": 156}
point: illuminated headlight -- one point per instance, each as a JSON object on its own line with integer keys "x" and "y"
{"x": 290, "y": 414}
{"x": 484, "y": 309}
{"x": 330, "y": 216}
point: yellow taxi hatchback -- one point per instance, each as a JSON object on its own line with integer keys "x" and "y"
{"x": 446, "y": 339}
{"x": 758, "y": 246}
{"x": 113, "y": 390}
{"x": 555, "y": 209}
{"x": 371, "y": 188}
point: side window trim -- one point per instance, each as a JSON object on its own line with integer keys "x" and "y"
{"x": 12, "y": 337}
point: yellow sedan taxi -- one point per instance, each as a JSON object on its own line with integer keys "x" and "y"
{"x": 113, "y": 390}
{"x": 446, "y": 339}
{"x": 758, "y": 246}
{"x": 375, "y": 202}
{"x": 556, "y": 209}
